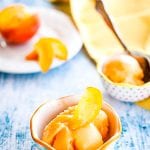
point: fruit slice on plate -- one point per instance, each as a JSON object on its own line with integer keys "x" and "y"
{"x": 60, "y": 50}
{"x": 45, "y": 50}
{"x": 17, "y": 24}
{"x": 87, "y": 108}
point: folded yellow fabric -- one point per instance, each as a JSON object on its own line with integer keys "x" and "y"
{"x": 97, "y": 37}
{"x": 144, "y": 104}
{"x": 131, "y": 19}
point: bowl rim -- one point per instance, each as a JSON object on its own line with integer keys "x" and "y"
{"x": 119, "y": 129}
{"x": 38, "y": 140}
{"x": 107, "y": 143}
{"x": 127, "y": 85}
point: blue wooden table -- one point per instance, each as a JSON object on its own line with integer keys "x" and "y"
{"x": 20, "y": 95}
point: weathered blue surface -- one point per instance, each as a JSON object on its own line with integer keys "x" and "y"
{"x": 20, "y": 95}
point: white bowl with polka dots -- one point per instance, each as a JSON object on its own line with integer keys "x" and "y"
{"x": 124, "y": 91}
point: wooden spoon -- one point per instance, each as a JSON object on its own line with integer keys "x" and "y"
{"x": 142, "y": 60}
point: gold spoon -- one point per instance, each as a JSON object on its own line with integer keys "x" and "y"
{"x": 142, "y": 60}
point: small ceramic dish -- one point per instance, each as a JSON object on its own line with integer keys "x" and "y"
{"x": 49, "y": 110}
{"x": 124, "y": 91}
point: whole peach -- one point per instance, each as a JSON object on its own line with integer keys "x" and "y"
{"x": 17, "y": 25}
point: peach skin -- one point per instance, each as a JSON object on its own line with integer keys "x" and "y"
{"x": 17, "y": 25}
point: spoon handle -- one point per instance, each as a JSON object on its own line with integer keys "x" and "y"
{"x": 101, "y": 9}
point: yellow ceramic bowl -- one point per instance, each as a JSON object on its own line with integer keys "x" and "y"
{"x": 49, "y": 110}
{"x": 123, "y": 91}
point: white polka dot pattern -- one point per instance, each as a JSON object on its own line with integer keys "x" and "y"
{"x": 124, "y": 93}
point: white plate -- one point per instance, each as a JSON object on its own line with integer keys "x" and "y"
{"x": 53, "y": 24}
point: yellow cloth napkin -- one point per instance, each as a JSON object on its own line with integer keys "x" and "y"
{"x": 131, "y": 19}
{"x": 144, "y": 104}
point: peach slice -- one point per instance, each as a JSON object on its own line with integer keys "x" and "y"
{"x": 17, "y": 25}
{"x": 45, "y": 50}
{"x": 102, "y": 124}
{"x": 60, "y": 50}
{"x": 87, "y": 108}
{"x": 64, "y": 140}
{"x": 54, "y": 127}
